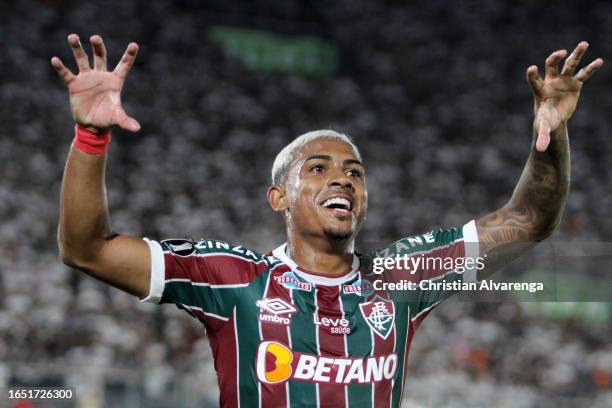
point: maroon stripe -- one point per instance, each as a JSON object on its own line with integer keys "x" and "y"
{"x": 454, "y": 251}
{"x": 275, "y": 395}
{"x": 214, "y": 269}
{"x": 330, "y": 345}
{"x": 413, "y": 324}
{"x": 409, "y": 338}
{"x": 210, "y": 322}
{"x": 225, "y": 338}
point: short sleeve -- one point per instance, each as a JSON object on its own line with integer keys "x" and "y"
{"x": 432, "y": 266}
{"x": 205, "y": 278}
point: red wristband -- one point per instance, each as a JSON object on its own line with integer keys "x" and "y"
{"x": 89, "y": 142}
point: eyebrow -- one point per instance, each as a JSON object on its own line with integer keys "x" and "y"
{"x": 326, "y": 157}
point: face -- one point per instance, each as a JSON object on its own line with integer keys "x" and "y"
{"x": 326, "y": 191}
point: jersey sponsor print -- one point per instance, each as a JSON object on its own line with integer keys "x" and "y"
{"x": 277, "y": 363}
{"x": 361, "y": 287}
{"x": 285, "y": 337}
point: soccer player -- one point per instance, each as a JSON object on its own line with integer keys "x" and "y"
{"x": 304, "y": 325}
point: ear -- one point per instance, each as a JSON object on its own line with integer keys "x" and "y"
{"x": 277, "y": 198}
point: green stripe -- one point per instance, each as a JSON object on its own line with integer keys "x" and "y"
{"x": 248, "y": 334}
{"x": 219, "y": 301}
{"x": 303, "y": 334}
{"x": 211, "y": 246}
{"x": 430, "y": 297}
{"x": 247, "y": 377}
{"x": 444, "y": 237}
{"x": 359, "y": 344}
{"x": 420, "y": 243}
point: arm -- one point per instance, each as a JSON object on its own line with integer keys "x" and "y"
{"x": 85, "y": 238}
{"x": 538, "y": 201}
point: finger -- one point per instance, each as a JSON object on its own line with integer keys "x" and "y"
{"x": 552, "y": 63}
{"x": 124, "y": 66}
{"x": 99, "y": 52}
{"x": 534, "y": 78}
{"x": 61, "y": 70}
{"x": 543, "y": 139}
{"x": 79, "y": 54}
{"x": 574, "y": 59}
{"x": 589, "y": 70}
{"x": 126, "y": 122}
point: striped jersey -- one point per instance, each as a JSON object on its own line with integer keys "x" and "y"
{"x": 282, "y": 336}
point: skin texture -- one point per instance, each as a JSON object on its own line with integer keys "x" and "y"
{"x": 322, "y": 239}
{"x": 538, "y": 201}
{"x": 85, "y": 237}
{"x": 535, "y": 209}
{"x": 319, "y": 239}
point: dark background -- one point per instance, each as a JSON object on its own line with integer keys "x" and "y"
{"x": 432, "y": 92}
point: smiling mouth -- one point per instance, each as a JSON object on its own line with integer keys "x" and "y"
{"x": 339, "y": 205}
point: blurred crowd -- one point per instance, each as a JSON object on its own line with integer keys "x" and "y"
{"x": 433, "y": 93}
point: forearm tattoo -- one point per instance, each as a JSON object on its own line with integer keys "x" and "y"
{"x": 536, "y": 206}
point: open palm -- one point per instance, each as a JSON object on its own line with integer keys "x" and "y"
{"x": 557, "y": 94}
{"x": 95, "y": 94}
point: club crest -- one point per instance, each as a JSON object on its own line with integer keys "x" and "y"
{"x": 379, "y": 314}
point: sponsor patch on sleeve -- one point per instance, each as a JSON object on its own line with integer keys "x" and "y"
{"x": 180, "y": 247}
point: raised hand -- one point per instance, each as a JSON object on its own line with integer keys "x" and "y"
{"x": 95, "y": 94}
{"x": 557, "y": 94}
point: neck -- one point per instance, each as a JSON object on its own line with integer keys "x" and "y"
{"x": 321, "y": 255}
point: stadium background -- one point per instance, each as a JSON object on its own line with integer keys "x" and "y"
{"x": 433, "y": 92}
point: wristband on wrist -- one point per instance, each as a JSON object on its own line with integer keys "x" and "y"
{"x": 89, "y": 142}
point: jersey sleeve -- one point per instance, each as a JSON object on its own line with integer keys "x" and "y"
{"x": 432, "y": 266}
{"x": 204, "y": 278}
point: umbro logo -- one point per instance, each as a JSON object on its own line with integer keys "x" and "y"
{"x": 275, "y": 306}
{"x": 273, "y": 309}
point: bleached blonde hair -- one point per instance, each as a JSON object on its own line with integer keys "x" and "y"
{"x": 285, "y": 157}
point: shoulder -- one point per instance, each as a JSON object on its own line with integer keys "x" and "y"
{"x": 183, "y": 247}
{"x": 419, "y": 243}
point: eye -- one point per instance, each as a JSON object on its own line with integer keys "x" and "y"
{"x": 354, "y": 173}
{"x": 317, "y": 168}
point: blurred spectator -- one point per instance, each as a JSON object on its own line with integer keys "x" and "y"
{"x": 433, "y": 94}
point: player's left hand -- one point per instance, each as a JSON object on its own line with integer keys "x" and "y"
{"x": 557, "y": 94}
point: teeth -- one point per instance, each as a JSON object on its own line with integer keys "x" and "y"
{"x": 338, "y": 201}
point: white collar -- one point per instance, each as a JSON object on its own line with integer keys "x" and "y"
{"x": 281, "y": 254}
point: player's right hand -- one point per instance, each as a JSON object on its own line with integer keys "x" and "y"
{"x": 95, "y": 94}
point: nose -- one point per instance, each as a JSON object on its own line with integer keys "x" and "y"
{"x": 340, "y": 179}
